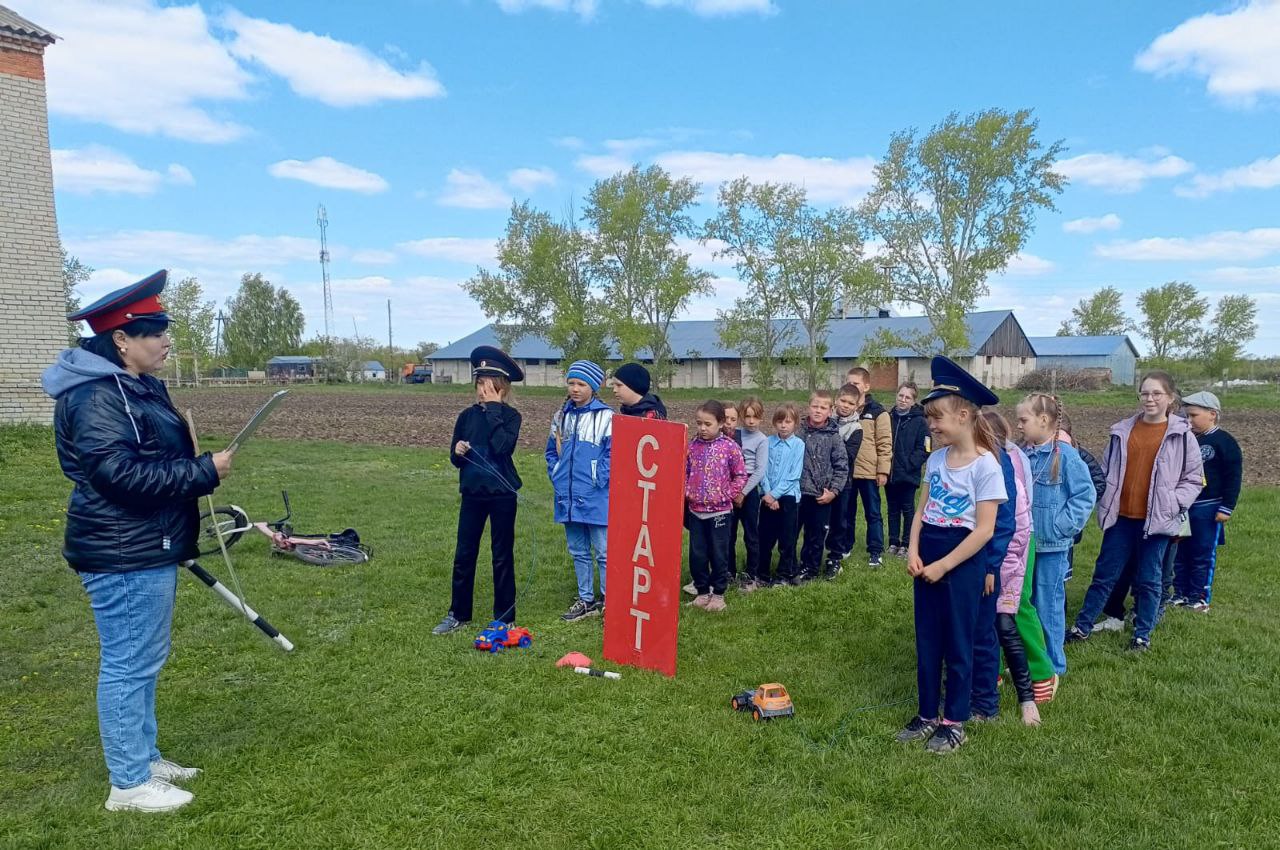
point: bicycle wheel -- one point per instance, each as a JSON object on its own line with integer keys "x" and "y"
{"x": 228, "y": 521}
{"x": 333, "y": 555}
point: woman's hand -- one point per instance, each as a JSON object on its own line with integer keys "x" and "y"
{"x": 462, "y": 448}
{"x": 222, "y": 463}
{"x": 989, "y": 586}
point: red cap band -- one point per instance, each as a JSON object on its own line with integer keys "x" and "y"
{"x": 123, "y": 315}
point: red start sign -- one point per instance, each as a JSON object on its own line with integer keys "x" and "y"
{"x": 646, "y": 523}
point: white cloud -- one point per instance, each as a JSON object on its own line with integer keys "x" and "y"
{"x": 454, "y": 249}
{"x": 373, "y": 257}
{"x": 531, "y": 179}
{"x": 1237, "y": 52}
{"x": 91, "y": 169}
{"x": 1260, "y": 174}
{"x": 330, "y": 173}
{"x": 1245, "y": 275}
{"x": 1110, "y": 221}
{"x": 826, "y": 179}
{"x": 161, "y": 248}
{"x": 703, "y": 254}
{"x": 368, "y": 283}
{"x": 572, "y": 143}
{"x": 322, "y": 68}
{"x": 717, "y": 8}
{"x": 472, "y": 190}
{"x": 141, "y": 69}
{"x": 1028, "y": 265}
{"x": 1115, "y": 172}
{"x": 1223, "y": 245}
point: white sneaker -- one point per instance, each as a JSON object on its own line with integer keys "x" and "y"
{"x": 1111, "y": 624}
{"x": 154, "y": 795}
{"x": 691, "y": 589}
{"x": 172, "y": 772}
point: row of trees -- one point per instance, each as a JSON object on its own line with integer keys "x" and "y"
{"x": 1175, "y": 321}
{"x": 260, "y": 321}
{"x": 948, "y": 209}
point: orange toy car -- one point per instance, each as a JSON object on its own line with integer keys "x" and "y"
{"x": 765, "y": 702}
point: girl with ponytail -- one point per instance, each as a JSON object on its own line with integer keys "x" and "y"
{"x": 1062, "y": 497}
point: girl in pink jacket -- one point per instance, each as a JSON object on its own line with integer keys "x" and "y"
{"x": 715, "y": 473}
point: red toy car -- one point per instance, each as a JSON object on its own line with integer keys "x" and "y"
{"x": 499, "y": 637}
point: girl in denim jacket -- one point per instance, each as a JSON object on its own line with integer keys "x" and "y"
{"x": 1062, "y": 498}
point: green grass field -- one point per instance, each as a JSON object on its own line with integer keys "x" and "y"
{"x": 376, "y": 734}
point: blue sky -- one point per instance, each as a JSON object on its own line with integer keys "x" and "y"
{"x": 202, "y": 137}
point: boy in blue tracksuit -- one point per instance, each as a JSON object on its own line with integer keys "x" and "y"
{"x": 578, "y": 464}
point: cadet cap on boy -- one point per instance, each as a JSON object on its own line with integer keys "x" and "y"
{"x": 950, "y": 378}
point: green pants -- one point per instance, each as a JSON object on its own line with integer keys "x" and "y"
{"x": 1028, "y": 622}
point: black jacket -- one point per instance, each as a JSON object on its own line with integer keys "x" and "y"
{"x": 648, "y": 407}
{"x": 1223, "y": 468}
{"x": 910, "y": 445}
{"x": 826, "y": 460}
{"x": 492, "y": 429}
{"x": 1096, "y": 473}
{"x": 128, "y": 452}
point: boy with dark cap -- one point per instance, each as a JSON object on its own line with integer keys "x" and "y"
{"x": 631, "y": 384}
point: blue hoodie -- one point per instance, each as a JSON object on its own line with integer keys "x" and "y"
{"x": 578, "y": 452}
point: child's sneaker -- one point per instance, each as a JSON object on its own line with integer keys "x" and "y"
{"x": 715, "y": 603}
{"x": 172, "y": 771}
{"x": 701, "y": 600}
{"x": 1076, "y": 635}
{"x": 1139, "y": 645}
{"x": 449, "y": 624}
{"x": 875, "y": 563}
{"x": 578, "y": 610}
{"x": 1030, "y": 713}
{"x": 948, "y": 738}
{"x": 833, "y": 570}
{"x": 1200, "y": 606}
{"x": 749, "y": 586}
{"x": 154, "y": 795}
{"x": 691, "y": 589}
{"x": 1179, "y": 602}
{"x": 1045, "y": 690}
{"x": 1110, "y": 624}
{"x": 917, "y": 729}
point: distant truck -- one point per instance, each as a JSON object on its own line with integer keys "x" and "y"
{"x": 415, "y": 373}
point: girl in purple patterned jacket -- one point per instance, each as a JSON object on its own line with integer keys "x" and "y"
{"x": 714, "y": 474}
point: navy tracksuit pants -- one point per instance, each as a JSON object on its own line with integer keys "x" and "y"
{"x": 947, "y": 615}
{"x": 1198, "y": 554}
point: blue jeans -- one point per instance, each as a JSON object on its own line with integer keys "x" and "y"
{"x": 133, "y": 612}
{"x": 868, "y": 492}
{"x": 1049, "y": 598}
{"x": 1121, "y": 542}
{"x": 582, "y": 539}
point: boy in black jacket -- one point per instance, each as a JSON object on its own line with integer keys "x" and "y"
{"x": 844, "y": 510}
{"x": 484, "y": 439}
{"x": 631, "y": 385}
{"x": 910, "y": 450}
{"x": 1223, "y": 471}
{"x": 826, "y": 469}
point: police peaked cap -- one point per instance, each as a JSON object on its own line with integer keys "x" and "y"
{"x": 491, "y": 360}
{"x": 950, "y": 378}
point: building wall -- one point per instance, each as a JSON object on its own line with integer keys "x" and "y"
{"x": 1123, "y": 364}
{"x": 1000, "y": 372}
{"x": 33, "y": 326}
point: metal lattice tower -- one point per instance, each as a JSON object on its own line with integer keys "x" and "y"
{"x": 322, "y": 219}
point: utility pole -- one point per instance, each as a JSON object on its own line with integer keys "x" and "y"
{"x": 390, "y": 350}
{"x": 322, "y": 219}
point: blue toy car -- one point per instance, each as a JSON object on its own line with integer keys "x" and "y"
{"x": 499, "y": 636}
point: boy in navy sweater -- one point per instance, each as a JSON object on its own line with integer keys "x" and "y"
{"x": 1209, "y": 514}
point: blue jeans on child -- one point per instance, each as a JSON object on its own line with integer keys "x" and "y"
{"x": 1121, "y": 542}
{"x": 133, "y": 612}
{"x": 582, "y": 539}
{"x": 1049, "y": 598}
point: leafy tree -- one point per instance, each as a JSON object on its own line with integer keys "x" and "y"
{"x": 637, "y": 216}
{"x": 423, "y": 351}
{"x": 1171, "y": 318}
{"x": 954, "y": 207}
{"x": 74, "y": 273}
{"x": 1101, "y": 314}
{"x": 191, "y": 319}
{"x": 262, "y": 322}
{"x": 543, "y": 287}
{"x": 1234, "y": 326}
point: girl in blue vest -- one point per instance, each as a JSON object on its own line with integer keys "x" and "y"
{"x": 578, "y": 464}
{"x": 964, "y": 486}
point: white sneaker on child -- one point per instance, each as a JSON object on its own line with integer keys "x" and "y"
{"x": 1110, "y": 624}
{"x": 154, "y": 795}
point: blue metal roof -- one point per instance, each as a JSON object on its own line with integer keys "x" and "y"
{"x": 700, "y": 339}
{"x": 289, "y": 359}
{"x": 372, "y": 366}
{"x": 1080, "y": 346}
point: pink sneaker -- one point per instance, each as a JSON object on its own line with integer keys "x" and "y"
{"x": 701, "y": 600}
{"x": 716, "y": 603}
{"x": 1030, "y": 713}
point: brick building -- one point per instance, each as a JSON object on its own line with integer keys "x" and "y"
{"x": 33, "y": 327}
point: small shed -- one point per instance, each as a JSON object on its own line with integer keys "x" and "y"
{"x": 1072, "y": 353}
{"x": 291, "y": 367}
{"x": 370, "y": 370}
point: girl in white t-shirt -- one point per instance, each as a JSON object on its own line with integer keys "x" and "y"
{"x": 963, "y": 486}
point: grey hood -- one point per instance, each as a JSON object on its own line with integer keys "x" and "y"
{"x": 74, "y": 367}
